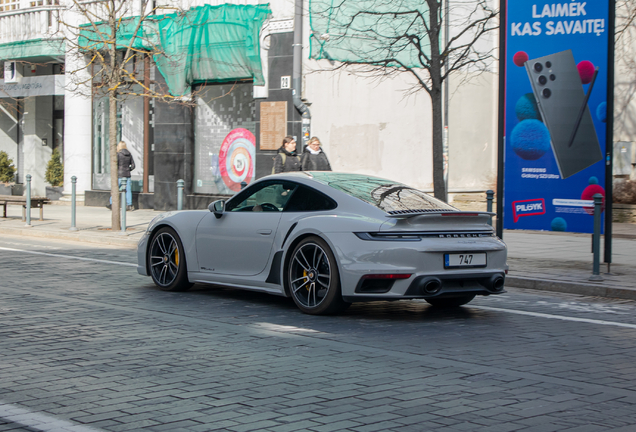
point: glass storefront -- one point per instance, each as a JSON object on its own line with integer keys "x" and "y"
{"x": 130, "y": 129}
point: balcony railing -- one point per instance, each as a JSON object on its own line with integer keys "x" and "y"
{"x": 39, "y": 22}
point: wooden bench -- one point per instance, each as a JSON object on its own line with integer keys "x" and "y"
{"x": 36, "y": 202}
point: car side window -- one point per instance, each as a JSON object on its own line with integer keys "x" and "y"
{"x": 308, "y": 199}
{"x": 267, "y": 197}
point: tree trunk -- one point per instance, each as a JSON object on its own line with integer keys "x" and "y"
{"x": 435, "y": 70}
{"x": 112, "y": 145}
{"x": 114, "y": 80}
{"x": 439, "y": 185}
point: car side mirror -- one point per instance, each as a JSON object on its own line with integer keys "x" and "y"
{"x": 218, "y": 208}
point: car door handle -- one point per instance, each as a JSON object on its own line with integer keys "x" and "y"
{"x": 264, "y": 232}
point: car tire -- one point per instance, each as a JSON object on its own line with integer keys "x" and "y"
{"x": 167, "y": 261}
{"x": 451, "y": 302}
{"x": 313, "y": 279}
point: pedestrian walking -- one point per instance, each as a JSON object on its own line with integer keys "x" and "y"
{"x": 287, "y": 159}
{"x": 125, "y": 164}
{"x": 314, "y": 158}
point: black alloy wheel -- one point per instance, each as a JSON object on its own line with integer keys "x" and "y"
{"x": 167, "y": 261}
{"x": 313, "y": 278}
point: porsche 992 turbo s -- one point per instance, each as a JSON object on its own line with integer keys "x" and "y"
{"x": 326, "y": 240}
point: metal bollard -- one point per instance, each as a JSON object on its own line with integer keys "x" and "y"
{"x": 28, "y": 200}
{"x": 243, "y": 185}
{"x": 180, "y": 186}
{"x": 489, "y": 198}
{"x": 73, "y": 208}
{"x": 122, "y": 201}
{"x": 596, "y": 238}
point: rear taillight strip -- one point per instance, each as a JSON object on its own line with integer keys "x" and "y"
{"x": 417, "y": 236}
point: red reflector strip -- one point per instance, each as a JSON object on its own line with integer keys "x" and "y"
{"x": 387, "y": 276}
{"x": 459, "y": 214}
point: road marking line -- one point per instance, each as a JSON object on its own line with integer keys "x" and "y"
{"x": 283, "y": 328}
{"x": 559, "y": 317}
{"x": 69, "y": 256}
{"x": 39, "y": 421}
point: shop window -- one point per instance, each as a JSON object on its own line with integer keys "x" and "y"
{"x": 130, "y": 129}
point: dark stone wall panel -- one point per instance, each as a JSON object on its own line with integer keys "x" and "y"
{"x": 165, "y": 196}
{"x": 281, "y": 44}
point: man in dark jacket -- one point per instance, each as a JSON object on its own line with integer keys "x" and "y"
{"x": 125, "y": 164}
{"x": 313, "y": 158}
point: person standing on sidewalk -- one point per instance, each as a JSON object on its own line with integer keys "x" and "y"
{"x": 287, "y": 159}
{"x": 314, "y": 158}
{"x": 125, "y": 164}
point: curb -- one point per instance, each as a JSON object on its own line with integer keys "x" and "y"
{"x": 78, "y": 236}
{"x": 587, "y": 289}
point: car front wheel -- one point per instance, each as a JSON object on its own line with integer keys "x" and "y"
{"x": 313, "y": 278}
{"x": 167, "y": 261}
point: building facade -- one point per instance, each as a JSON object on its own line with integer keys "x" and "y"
{"x": 229, "y": 130}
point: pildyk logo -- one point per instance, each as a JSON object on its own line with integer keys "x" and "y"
{"x": 530, "y": 207}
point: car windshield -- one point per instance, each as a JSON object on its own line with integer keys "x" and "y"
{"x": 384, "y": 194}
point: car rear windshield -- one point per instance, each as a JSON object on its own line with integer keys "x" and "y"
{"x": 384, "y": 194}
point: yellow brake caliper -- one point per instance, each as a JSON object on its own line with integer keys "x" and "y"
{"x": 176, "y": 257}
{"x": 305, "y": 275}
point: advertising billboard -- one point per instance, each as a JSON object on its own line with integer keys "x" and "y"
{"x": 556, "y": 74}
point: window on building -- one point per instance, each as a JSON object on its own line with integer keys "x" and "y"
{"x": 9, "y": 5}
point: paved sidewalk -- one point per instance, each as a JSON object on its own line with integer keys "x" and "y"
{"x": 538, "y": 260}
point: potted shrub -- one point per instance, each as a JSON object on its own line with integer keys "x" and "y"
{"x": 54, "y": 176}
{"x": 7, "y": 174}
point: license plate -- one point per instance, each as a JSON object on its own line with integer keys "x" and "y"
{"x": 465, "y": 260}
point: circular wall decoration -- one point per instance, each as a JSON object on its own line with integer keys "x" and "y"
{"x": 236, "y": 158}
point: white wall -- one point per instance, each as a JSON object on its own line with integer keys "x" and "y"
{"x": 38, "y": 112}
{"x": 370, "y": 127}
{"x": 472, "y": 132}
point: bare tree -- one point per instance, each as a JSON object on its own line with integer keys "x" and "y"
{"x": 112, "y": 44}
{"x": 389, "y": 37}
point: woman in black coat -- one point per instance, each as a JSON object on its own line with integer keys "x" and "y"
{"x": 125, "y": 164}
{"x": 314, "y": 158}
{"x": 287, "y": 159}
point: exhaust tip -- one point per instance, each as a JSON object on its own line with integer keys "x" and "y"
{"x": 496, "y": 283}
{"x": 432, "y": 286}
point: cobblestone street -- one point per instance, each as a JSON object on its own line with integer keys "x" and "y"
{"x": 87, "y": 344}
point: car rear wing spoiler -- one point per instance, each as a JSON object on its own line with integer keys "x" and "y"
{"x": 405, "y": 214}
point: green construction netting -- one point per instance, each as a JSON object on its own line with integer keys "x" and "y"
{"x": 369, "y": 31}
{"x": 206, "y": 43}
{"x": 33, "y": 48}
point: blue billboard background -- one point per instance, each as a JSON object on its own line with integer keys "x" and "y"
{"x": 547, "y": 183}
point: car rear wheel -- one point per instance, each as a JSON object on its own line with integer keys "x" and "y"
{"x": 451, "y": 302}
{"x": 313, "y": 278}
{"x": 167, "y": 261}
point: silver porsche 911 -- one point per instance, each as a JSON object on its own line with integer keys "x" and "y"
{"x": 326, "y": 240}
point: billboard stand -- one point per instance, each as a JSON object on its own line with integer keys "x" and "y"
{"x": 501, "y": 142}
{"x": 609, "y": 164}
